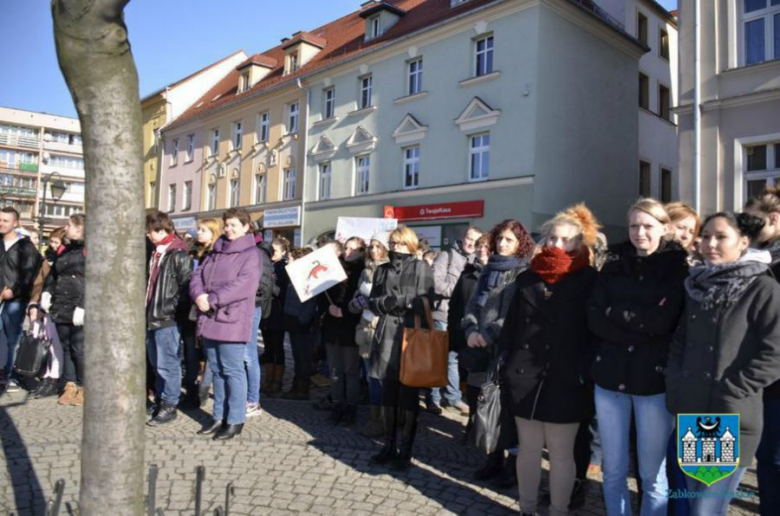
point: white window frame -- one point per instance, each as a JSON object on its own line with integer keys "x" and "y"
{"x": 211, "y": 197}
{"x": 411, "y": 167}
{"x": 288, "y": 186}
{"x": 772, "y": 172}
{"x": 414, "y": 76}
{"x": 326, "y": 180}
{"x": 244, "y": 81}
{"x": 767, "y": 14}
{"x": 295, "y": 64}
{"x": 186, "y": 204}
{"x": 237, "y": 140}
{"x": 488, "y": 51}
{"x": 214, "y": 148}
{"x": 362, "y": 174}
{"x": 366, "y": 99}
{"x": 329, "y": 103}
{"x": 479, "y": 150}
{"x": 171, "y": 197}
{"x": 264, "y": 127}
{"x": 293, "y": 116}
{"x": 234, "y": 192}
{"x": 174, "y": 152}
{"x": 376, "y": 31}
{"x": 260, "y": 188}
{"x": 190, "y": 148}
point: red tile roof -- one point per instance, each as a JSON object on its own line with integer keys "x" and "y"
{"x": 306, "y": 37}
{"x": 258, "y": 59}
{"x": 342, "y": 39}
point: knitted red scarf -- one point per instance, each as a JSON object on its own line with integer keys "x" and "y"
{"x": 553, "y": 264}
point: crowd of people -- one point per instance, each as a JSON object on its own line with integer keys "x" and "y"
{"x": 598, "y": 347}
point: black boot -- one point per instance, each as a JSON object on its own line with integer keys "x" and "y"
{"x": 350, "y": 415}
{"x": 389, "y": 450}
{"x": 47, "y": 388}
{"x": 508, "y": 477}
{"x": 228, "y": 432}
{"x": 492, "y": 467}
{"x": 404, "y": 459}
{"x": 211, "y": 427}
{"x": 337, "y": 414}
{"x": 165, "y": 415}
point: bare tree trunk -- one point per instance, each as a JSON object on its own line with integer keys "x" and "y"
{"x": 95, "y": 58}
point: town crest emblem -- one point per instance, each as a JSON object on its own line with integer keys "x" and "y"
{"x": 708, "y": 445}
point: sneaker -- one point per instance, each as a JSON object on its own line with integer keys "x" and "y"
{"x": 459, "y": 407}
{"x": 48, "y": 388}
{"x": 320, "y": 381}
{"x": 13, "y": 386}
{"x": 253, "y": 409}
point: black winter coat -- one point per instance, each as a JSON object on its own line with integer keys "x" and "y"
{"x": 722, "y": 359}
{"x": 280, "y": 284}
{"x": 341, "y": 330}
{"x": 171, "y": 302}
{"x": 265, "y": 290}
{"x": 773, "y": 391}
{"x": 19, "y": 267}
{"x": 461, "y": 294}
{"x": 644, "y": 296}
{"x": 396, "y": 296}
{"x": 66, "y": 282}
{"x": 548, "y": 348}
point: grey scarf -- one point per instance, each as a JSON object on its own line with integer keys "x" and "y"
{"x": 720, "y": 286}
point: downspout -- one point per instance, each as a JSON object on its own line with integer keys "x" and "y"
{"x": 697, "y": 106}
{"x": 303, "y": 141}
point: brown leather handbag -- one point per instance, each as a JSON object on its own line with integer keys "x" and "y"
{"x": 424, "y": 353}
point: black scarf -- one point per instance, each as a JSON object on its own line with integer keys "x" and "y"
{"x": 720, "y": 286}
{"x": 491, "y": 274}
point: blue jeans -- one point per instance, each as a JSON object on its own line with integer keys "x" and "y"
{"x": 374, "y": 386}
{"x": 11, "y": 320}
{"x": 654, "y": 426}
{"x": 164, "y": 348}
{"x": 768, "y": 456}
{"x": 252, "y": 361}
{"x": 226, "y": 360}
{"x": 452, "y": 391}
{"x": 718, "y": 496}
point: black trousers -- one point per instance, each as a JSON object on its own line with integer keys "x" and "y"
{"x": 72, "y": 339}
{"x": 273, "y": 339}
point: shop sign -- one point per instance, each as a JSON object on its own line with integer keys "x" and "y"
{"x": 184, "y": 224}
{"x": 451, "y": 210}
{"x": 282, "y": 217}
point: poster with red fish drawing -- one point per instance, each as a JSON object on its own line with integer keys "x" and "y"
{"x": 316, "y": 272}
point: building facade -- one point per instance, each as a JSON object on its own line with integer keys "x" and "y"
{"x": 740, "y": 101}
{"x": 37, "y": 150}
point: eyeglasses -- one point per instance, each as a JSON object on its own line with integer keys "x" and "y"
{"x": 396, "y": 243}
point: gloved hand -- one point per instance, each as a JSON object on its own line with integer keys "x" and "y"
{"x": 45, "y": 303}
{"x": 390, "y": 303}
{"x": 78, "y": 317}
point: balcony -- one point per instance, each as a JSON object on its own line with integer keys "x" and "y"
{"x": 19, "y": 141}
{"x": 63, "y": 147}
{"x": 18, "y": 168}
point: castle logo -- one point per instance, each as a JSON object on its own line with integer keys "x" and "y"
{"x": 708, "y": 445}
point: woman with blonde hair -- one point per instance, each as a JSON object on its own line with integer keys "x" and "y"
{"x": 547, "y": 342}
{"x": 209, "y": 231}
{"x": 685, "y": 224}
{"x": 633, "y": 312}
{"x": 396, "y": 297}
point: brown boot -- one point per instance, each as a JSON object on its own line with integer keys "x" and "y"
{"x": 78, "y": 399}
{"x": 278, "y": 378}
{"x": 375, "y": 426}
{"x": 71, "y": 389}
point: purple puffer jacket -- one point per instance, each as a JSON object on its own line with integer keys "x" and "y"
{"x": 230, "y": 276}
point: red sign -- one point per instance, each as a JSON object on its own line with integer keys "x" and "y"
{"x": 451, "y": 210}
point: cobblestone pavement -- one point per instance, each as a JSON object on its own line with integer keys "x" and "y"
{"x": 290, "y": 460}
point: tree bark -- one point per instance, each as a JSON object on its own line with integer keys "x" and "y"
{"x": 95, "y": 58}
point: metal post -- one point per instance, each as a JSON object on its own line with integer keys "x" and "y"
{"x": 200, "y": 475}
{"x": 152, "y": 497}
{"x": 42, "y": 212}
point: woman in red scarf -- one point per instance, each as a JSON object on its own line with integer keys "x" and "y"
{"x": 546, "y": 339}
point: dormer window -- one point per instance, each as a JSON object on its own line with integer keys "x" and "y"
{"x": 294, "y": 66}
{"x": 243, "y": 82}
{"x": 375, "y": 31}
{"x": 380, "y": 17}
{"x": 253, "y": 71}
{"x": 300, "y": 49}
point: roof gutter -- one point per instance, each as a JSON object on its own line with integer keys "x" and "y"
{"x": 305, "y": 167}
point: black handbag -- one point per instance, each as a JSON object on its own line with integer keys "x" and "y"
{"x": 488, "y": 421}
{"x": 32, "y": 352}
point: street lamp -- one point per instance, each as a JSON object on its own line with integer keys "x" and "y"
{"x": 58, "y": 188}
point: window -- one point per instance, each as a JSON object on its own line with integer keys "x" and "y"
{"x": 292, "y": 121}
{"x": 666, "y": 185}
{"x": 479, "y": 157}
{"x": 234, "y": 193}
{"x": 664, "y": 100}
{"x": 244, "y": 82}
{"x": 415, "y": 77}
{"x": 260, "y": 188}
{"x": 644, "y": 91}
{"x": 330, "y": 103}
{"x": 761, "y": 30}
{"x": 484, "y": 60}
{"x": 190, "y": 147}
{"x": 237, "y": 135}
{"x": 375, "y": 31}
{"x": 56, "y": 161}
{"x": 325, "y": 181}
{"x": 294, "y": 65}
{"x": 756, "y": 158}
{"x": 211, "y": 197}
{"x": 289, "y": 184}
{"x": 263, "y": 127}
{"x": 365, "y": 92}
{"x": 152, "y": 193}
{"x": 641, "y": 28}
{"x": 763, "y": 168}
{"x": 172, "y": 198}
{"x": 362, "y": 169}
{"x": 663, "y": 44}
{"x": 214, "y": 142}
{"x": 644, "y": 179}
{"x": 187, "y": 205}
{"x": 412, "y": 167}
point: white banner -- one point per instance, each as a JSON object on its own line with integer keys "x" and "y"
{"x": 316, "y": 272}
{"x": 365, "y": 228}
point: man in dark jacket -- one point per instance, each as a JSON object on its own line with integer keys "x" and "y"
{"x": 19, "y": 264}
{"x": 167, "y": 305}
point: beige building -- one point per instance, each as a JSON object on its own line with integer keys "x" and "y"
{"x": 739, "y": 104}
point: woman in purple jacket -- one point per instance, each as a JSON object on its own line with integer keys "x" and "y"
{"x": 223, "y": 288}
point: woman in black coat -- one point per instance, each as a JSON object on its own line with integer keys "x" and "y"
{"x": 63, "y": 299}
{"x": 396, "y": 296}
{"x": 727, "y": 349}
{"x": 633, "y": 312}
{"x": 547, "y": 343}
{"x": 272, "y": 328}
